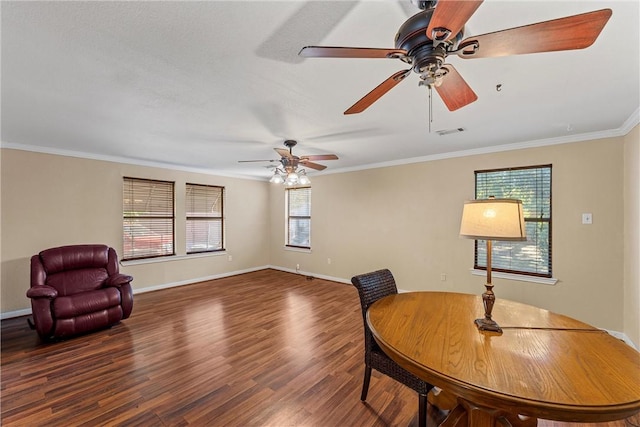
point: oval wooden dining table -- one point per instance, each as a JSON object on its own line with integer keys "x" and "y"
{"x": 543, "y": 364}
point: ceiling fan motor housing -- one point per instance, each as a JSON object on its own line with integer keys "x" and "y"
{"x": 412, "y": 37}
{"x": 290, "y": 162}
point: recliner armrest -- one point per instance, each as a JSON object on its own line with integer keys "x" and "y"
{"x": 42, "y": 291}
{"x": 118, "y": 280}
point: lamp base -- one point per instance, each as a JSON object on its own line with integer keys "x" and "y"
{"x": 488, "y": 325}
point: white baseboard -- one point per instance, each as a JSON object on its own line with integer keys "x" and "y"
{"x": 27, "y": 311}
{"x": 306, "y": 273}
{"x": 196, "y": 280}
{"x": 16, "y": 313}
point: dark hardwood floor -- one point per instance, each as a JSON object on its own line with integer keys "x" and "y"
{"x": 261, "y": 349}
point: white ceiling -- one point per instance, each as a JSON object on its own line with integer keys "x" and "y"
{"x": 201, "y": 85}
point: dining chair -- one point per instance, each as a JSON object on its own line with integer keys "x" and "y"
{"x": 371, "y": 287}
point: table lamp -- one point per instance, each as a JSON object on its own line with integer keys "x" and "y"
{"x": 492, "y": 219}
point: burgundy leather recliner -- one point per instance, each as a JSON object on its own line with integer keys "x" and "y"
{"x": 76, "y": 289}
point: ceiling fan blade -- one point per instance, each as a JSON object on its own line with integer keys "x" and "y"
{"x": 454, "y": 90}
{"x": 283, "y": 152}
{"x": 320, "y": 157}
{"x": 568, "y": 33}
{"x": 376, "y": 93}
{"x": 312, "y": 165}
{"x": 251, "y": 161}
{"x": 350, "y": 52}
{"x": 449, "y": 18}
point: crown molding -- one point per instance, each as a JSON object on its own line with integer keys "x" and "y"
{"x": 123, "y": 160}
{"x": 627, "y": 126}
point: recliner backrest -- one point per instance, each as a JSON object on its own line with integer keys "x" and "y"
{"x": 77, "y": 268}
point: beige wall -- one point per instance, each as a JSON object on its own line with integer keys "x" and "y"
{"x": 50, "y": 200}
{"x": 632, "y": 235}
{"x": 404, "y": 217}
{"x": 407, "y": 218}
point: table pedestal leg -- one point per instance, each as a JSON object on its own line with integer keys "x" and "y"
{"x": 442, "y": 399}
{"x": 468, "y": 414}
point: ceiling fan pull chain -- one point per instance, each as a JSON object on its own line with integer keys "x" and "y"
{"x": 430, "y": 109}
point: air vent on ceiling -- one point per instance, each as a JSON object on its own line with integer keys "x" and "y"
{"x": 449, "y": 131}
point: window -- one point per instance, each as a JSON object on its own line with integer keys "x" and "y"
{"x": 299, "y": 217}
{"x": 204, "y": 218}
{"x": 532, "y": 185}
{"x": 148, "y": 218}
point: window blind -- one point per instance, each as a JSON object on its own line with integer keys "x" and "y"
{"x": 204, "y": 210}
{"x": 148, "y": 218}
{"x": 299, "y": 217}
{"x": 532, "y": 185}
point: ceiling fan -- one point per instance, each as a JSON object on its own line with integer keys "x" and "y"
{"x": 288, "y": 173}
{"x": 426, "y": 39}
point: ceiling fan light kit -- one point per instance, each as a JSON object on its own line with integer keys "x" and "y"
{"x": 290, "y": 179}
{"x": 290, "y": 172}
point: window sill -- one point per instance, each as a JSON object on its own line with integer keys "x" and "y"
{"x": 293, "y": 249}
{"x": 172, "y": 258}
{"x": 520, "y": 277}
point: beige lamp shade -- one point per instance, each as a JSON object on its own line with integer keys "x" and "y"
{"x": 493, "y": 219}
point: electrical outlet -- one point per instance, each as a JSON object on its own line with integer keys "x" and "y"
{"x": 328, "y": 260}
{"x": 297, "y": 267}
{"x": 443, "y": 277}
{"x": 230, "y": 258}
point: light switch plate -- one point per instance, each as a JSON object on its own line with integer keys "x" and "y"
{"x": 587, "y": 218}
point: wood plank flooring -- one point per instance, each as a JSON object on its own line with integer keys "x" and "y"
{"x": 267, "y": 348}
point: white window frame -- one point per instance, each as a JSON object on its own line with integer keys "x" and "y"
{"x": 204, "y": 204}
{"x": 535, "y": 192}
{"x": 148, "y": 212}
{"x": 289, "y": 243}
